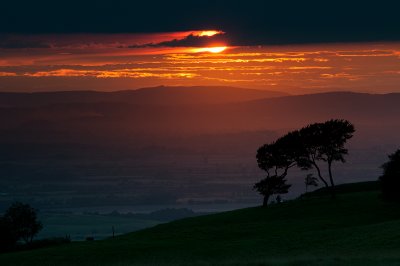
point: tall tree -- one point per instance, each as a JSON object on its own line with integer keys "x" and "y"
{"x": 324, "y": 142}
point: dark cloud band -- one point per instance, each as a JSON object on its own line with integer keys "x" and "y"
{"x": 251, "y": 22}
{"x": 188, "y": 41}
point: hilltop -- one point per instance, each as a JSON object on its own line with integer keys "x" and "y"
{"x": 357, "y": 228}
{"x": 161, "y": 95}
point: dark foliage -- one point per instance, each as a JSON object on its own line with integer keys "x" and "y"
{"x": 272, "y": 185}
{"x": 276, "y": 159}
{"x": 306, "y": 148}
{"x": 324, "y": 142}
{"x": 22, "y": 219}
{"x": 390, "y": 180}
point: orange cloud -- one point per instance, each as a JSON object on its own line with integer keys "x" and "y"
{"x": 120, "y": 73}
{"x": 7, "y": 74}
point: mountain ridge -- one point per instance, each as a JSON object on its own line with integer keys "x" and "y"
{"x": 160, "y": 95}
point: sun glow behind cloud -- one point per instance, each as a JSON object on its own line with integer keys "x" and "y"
{"x": 215, "y": 50}
{"x": 207, "y": 33}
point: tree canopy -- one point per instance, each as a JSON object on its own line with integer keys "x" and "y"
{"x": 276, "y": 159}
{"x": 22, "y": 219}
{"x": 307, "y": 148}
{"x": 324, "y": 143}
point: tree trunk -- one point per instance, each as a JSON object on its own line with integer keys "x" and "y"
{"x": 265, "y": 202}
{"x": 333, "y": 193}
{"x": 320, "y": 176}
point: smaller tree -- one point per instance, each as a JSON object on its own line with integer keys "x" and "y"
{"x": 310, "y": 180}
{"x": 276, "y": 159}
{"x": 23, "y": 220}
{"x": 390, "y": 180}
{"x": 271, "y": 185}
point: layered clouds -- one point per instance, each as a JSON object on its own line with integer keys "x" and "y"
{"x": 128, "y": 61}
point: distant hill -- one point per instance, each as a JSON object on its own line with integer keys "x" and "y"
{"x": 357, "y": 228}
{"x": 360, "y": 108}
{"x": 193, "y": 110}
{"x": 147, "y": 96}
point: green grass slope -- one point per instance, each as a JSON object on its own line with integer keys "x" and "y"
{"x": 357, "y": 228}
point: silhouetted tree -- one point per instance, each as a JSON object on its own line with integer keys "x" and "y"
{"x": 272, "y": 185}
{"x": 310, "y": 180}
{"x": 306, "y": 148}
{"x": 23, "y": 220}
{"x": 390, "y": 180}
{"x": 324, "y": 142}
{"x": 275, "y": 159}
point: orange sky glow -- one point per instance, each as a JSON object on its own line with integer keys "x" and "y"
{"x": 128, "y": 61}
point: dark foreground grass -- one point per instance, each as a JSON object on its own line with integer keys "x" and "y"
{"x": 357, "y": 228}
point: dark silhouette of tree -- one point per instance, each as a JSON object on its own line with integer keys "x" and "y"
{"x": 390, "y": 180}
{"x": 275, "y": 159}
{"x": 271, "y": 185}
{"x": 324, "y": 142}
{"x": 23, "y": 220}
{"x": 307, "y": 148}
{"x": 310, "y": 180}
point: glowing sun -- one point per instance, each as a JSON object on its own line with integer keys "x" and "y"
{"x": 214, "y": 50}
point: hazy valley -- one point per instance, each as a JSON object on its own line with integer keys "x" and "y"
{"x": 141, "y": 148}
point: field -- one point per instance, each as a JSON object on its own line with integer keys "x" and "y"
{"x": 357, "y": 228}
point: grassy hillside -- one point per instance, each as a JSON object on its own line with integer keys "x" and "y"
{"x": 355, "y": 229}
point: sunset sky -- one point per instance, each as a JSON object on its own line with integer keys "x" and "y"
{"x": 264, "y": 51}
